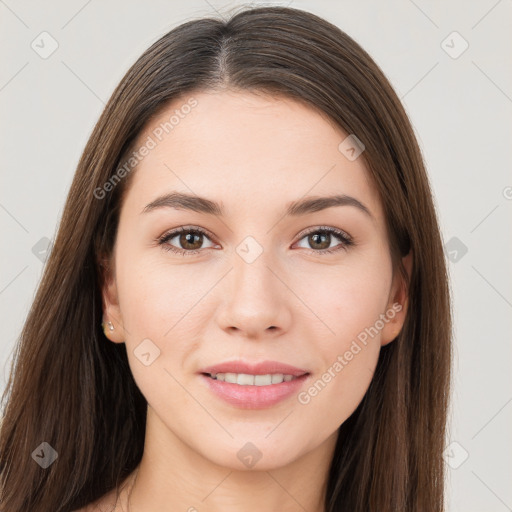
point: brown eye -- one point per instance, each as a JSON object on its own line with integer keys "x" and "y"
{"x": 190, "y": 240}
{"x": 184, "y": 241}
{"x": 319, "y": 240}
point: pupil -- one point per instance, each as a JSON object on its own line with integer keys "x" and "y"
{"x": 188, "y": 239}
{"x": 326, "y": 242}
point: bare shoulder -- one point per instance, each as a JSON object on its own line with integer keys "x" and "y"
{"x": 112, "y": 500}
{"x": 106, "y": 503}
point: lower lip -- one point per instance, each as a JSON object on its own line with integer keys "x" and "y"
{"x": 254, "y": 397}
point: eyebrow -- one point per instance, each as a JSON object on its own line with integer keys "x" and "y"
{"x": 183, "y": 201}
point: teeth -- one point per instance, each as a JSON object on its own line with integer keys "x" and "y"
{"x": 245, "y": 379}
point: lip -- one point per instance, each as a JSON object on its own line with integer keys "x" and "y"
{"x": 254, "y": 397}
{"x": 262, "y": 368}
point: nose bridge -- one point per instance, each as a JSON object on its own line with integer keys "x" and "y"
{"x": 255, "y": 299}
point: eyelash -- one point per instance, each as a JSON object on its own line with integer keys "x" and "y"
{"x": 346, "y": 240}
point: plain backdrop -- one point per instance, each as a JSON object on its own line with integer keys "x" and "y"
{"x": 450, "y": 63}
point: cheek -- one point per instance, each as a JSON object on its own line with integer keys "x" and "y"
{"x": 345, "y": 299}
{"x": 335, "y": 393}
{"x": 348, "y": 301}
{"x": 163, "y": 313}
{"x": 155, "y": 297}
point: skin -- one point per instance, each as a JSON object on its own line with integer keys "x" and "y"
{"x": 254, "y": 154}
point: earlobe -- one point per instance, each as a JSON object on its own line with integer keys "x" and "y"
{"x": 398, "y": 304}
{"x": 109, "y": 329}
{"x": 112, "y": 319}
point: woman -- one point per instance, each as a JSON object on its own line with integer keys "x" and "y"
{"x": 247, "y": 304}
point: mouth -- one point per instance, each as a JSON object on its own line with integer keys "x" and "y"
{"x": 254, "y": 391}
{"x": 246, "y": 379}
{"x": 260, "y": 369}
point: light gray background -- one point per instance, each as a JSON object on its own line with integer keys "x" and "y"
{"x": 460, "y": 108}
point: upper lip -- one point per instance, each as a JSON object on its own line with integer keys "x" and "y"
{"x": 261, "y": 368}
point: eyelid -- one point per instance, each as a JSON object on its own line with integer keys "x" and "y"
{"x": 186, "y": 228}
{"x": 330, "y": 229}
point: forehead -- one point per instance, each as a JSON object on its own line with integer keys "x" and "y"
{"x": 248, "y": 148}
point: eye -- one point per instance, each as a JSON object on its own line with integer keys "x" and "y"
{"x": 190, "y": 240}
{"x": 320, "y": 239}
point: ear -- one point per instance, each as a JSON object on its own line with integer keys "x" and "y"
{"x": 112, "y": 318}
{"x": 396, "y": 310}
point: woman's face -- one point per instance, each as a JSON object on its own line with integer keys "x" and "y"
{"x": 249, "y": 280}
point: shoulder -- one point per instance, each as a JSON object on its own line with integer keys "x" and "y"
{"x": 109, "y": 502}
{"x": 104, "y": 504}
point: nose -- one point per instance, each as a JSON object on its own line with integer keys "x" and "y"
{"x": 255, "y": 302}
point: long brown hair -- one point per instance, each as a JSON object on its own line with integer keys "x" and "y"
{"x": 73, "y": 389}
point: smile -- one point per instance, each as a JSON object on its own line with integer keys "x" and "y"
{"x": 247, "y": 391}
{"x": 245, "y": 379}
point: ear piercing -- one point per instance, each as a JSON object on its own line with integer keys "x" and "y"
{"x": 108, "y": 324}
